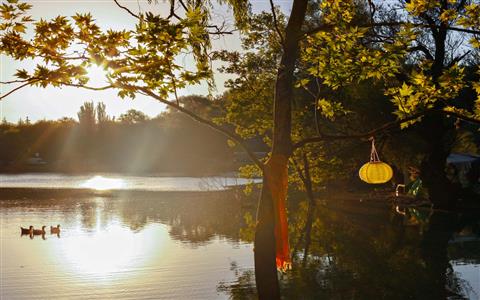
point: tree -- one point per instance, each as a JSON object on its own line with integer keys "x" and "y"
{"x": 133, "y": 116}
{"x": 142, "y": 61}
{"x": 87, "y": 116}
{"x": 102, "y": 116}
{"x": 422, "y": 58}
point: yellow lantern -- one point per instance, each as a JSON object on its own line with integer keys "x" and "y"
{"x": 375, "y": 171}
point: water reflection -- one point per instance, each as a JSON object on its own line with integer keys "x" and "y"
{"x": 124, "y": 245}
{"x": 367, "y": 251}
{"x": 110, "y": 250}
{"x": 196, "y": 245}
{"x": 101, "y": 183}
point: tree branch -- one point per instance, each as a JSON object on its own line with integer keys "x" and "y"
{"x": 422, "y": 48}
{"x": 462, "y": 117}
{"x": 275, "y": 23}
{"x": 384, "y": 127}
{"x": 384, "y": 24}
{"x": 30, "y": 81}
{"x": 16, "y": 89}
{"x": 126, "y": 9}
{"x": 177, "y": 106}
{"x": 15, "y": 81}
{"x": 93, "y": 88}
{"x": 372, "y": 10}
{"x": 172, "y": 11}
{"x": 197, "y": 118}
{"x": 459, "y": 58}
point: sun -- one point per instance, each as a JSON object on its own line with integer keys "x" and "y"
{"x": 97, "y": 74}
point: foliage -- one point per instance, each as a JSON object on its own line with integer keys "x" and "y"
{"x": 144, "y": 57}
{"x": 353, "y": 50}
{"x": 410, "y": 50}
{"x": 133, "y": 116}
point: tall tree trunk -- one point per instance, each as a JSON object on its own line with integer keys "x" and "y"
{"x": 435, "y": 131}
{"x": 264, "y": 247}
{"x": 265, "y": 243}
{"x": 433, "y": 166}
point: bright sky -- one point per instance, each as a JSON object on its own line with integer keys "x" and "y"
{"x": 55, "y": 103}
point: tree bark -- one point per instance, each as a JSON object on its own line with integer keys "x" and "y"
{"x": 264, "y": 243}
{"x": 264, "y": 246}
{"x": 435, "y": 130}
{"x": 433, "y": 165}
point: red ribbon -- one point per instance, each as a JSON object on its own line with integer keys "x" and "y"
{"x": 276, "y": 172}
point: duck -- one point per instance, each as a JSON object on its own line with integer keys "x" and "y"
{"x": 55, "y": 229}
{"x": 26, "y": 230}
{"x": 39, "y": 231}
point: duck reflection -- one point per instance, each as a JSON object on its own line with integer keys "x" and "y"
{"x": 55, "y": 230}
{"x": 26, "y": 231}
{"x": 39, "y": 231}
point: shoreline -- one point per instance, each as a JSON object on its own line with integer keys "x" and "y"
{"x": 14, "y": 193}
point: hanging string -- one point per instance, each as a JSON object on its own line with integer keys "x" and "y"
{"x": 373, "y": 153}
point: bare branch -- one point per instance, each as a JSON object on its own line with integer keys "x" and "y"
{"x": 16, "y": 89}
{"x": 219, "y": 29}
{"x": 422, "y": 48}
{"x": 327, "y": 27}
{"x": 468, "y": 119}
{"x": 126, "y": 8}
{"x": 183, "y": 5}
{"x": 459, "y": 58}
{"x": 175, "y": 105}
{"x": 384, "y": 127}
{"x": 172, "y": 11}
{"x": 15, "y": 81}
{"x": 93, "y": 88}
{"x": 32, "y": 80}
{"x": 275, "y": 23}
{"x": 196, "y": 117}
{"x": 372, "y": 10}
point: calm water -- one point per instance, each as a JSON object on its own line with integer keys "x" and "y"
{"x": 164, "y": 246}
{"x": 197, "y": 245}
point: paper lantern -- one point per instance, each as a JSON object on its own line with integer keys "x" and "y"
{"x": 375, "y": 171}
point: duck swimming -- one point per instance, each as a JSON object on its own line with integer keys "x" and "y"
{"x": 26, "y": 230}
{"x": 55, "y": 229}
{"x": 39, "y": 231}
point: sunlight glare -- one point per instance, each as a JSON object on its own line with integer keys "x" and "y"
{"x": 96, "y": 74}
{"x": 109, "y": 252}
{"x": 102, "y": 183}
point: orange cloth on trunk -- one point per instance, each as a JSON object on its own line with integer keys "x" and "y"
{"x": 276, "y": 173}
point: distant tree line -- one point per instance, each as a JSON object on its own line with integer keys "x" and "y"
{"x": 133, "y": 142}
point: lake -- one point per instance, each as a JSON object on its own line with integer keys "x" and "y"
{"x": 119, "y": 182}
{"x": 164, "y": 243}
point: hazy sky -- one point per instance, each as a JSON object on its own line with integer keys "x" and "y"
{"x": 54, "y": 103}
